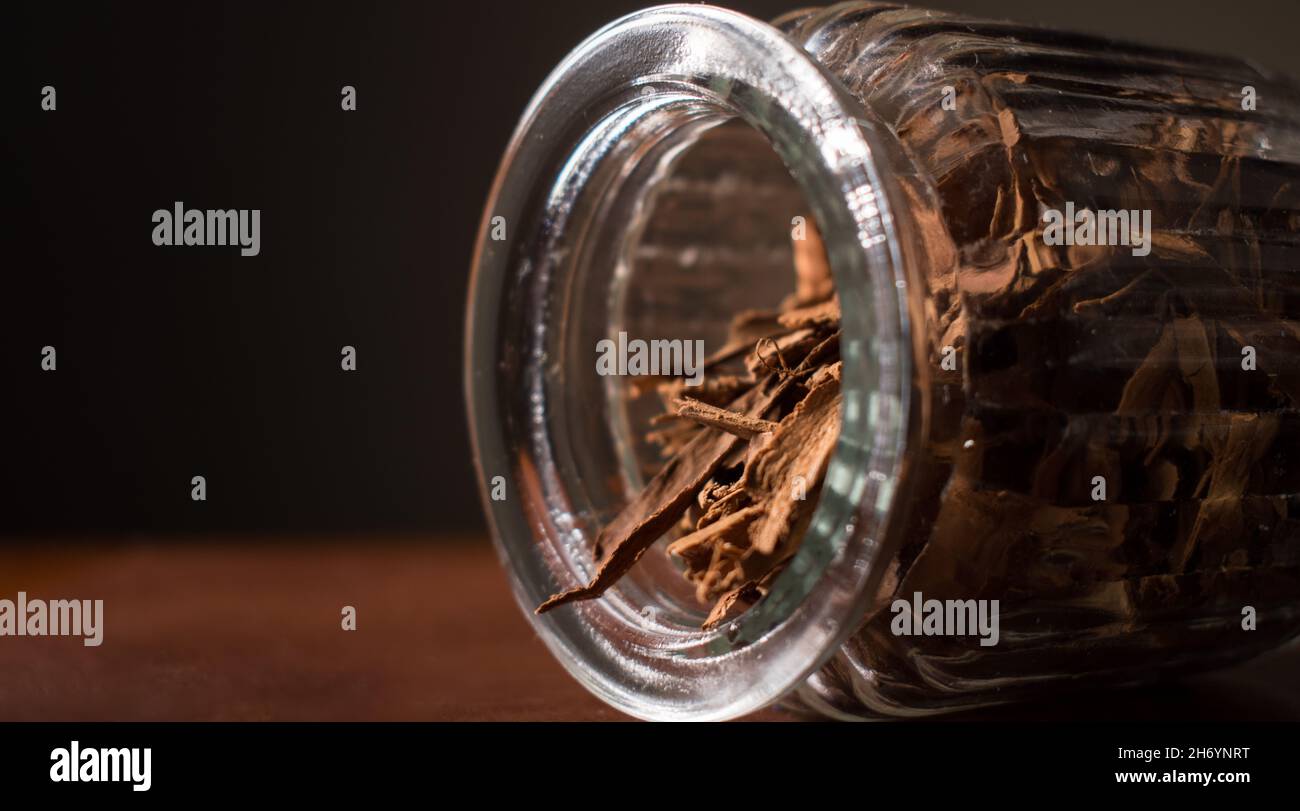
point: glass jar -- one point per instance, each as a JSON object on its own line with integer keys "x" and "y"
{"x": 1100, "y": 439}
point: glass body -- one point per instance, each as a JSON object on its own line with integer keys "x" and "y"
{"x": 1101, "y": 439}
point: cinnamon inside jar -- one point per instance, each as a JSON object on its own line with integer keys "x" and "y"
{"x": 1102, "y": 425}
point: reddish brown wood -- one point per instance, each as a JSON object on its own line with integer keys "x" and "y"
{"x": 204, "y": 630}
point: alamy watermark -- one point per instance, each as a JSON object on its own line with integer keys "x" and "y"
{"x": 637, "y": 357}
{"x": 24, "y": 617}
{"x": 1128, "y": 227}
{"x": 214, "y": 226}
{"x": 922, "y": 617}
{"x": 73, "y": 764}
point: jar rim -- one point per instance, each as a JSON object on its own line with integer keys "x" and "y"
{"x": 705, "y": 61}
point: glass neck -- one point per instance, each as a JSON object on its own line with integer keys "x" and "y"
{"x": 558, "y": 268}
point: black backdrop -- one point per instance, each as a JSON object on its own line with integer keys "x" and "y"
{"x": 176, "y": 362}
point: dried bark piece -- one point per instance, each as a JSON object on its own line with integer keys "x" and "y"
{"x": 1181, "y": 356}
{"x": 831, "y": 371}
{"x": 733, "y": 604}
{"x": 1102, "y": 303}
{"x": 747, "y": 327}
{"x": 735, "y": 461}
{"x": 732, "y": 499}
{"x": 812, "y": 270}
{"x": 711, "y": 493}
{"x": 1178, "y": 247}
{"x": 781, "y": 353}
{"x": 821, "y": 354}
{"x": 652, "y": 513}
{"x": 825, "y": 314}
{"x": 1220, "y": 521}
{"x": 718, "y": 390}
{"x": 740, "y": 425}
{"x": 741, "y": 598}
{"x": 662, "y": 502}
{"x": 731, "y": 529}
{"x": 1196, "y": 363}
{"x": 642, "y": 385}
{"x": 704, "y": 441}
{"x": 1274, "y": 339}
{"x": 793, "y": 464}
{"x": 673, "y": 437}
{"x": 751, "y": 325}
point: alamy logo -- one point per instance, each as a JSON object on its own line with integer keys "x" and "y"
{"x": 1106, "y": 227}
{"x": 23, "y": 617}
{"x": 77, "y": 765}
{"x": 215, "y": 226}
{"x": 946, "y": 618}
{"x": 657, "y": 357}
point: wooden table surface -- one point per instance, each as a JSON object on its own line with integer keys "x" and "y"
{"x": 199, "y": 629}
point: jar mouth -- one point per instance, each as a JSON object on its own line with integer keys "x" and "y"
{"x": 573, "y": 183}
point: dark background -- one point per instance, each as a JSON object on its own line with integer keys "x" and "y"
{"x": 175, "y": 362}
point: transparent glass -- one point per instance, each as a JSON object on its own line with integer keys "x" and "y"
{"x": 990, "y": 379}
